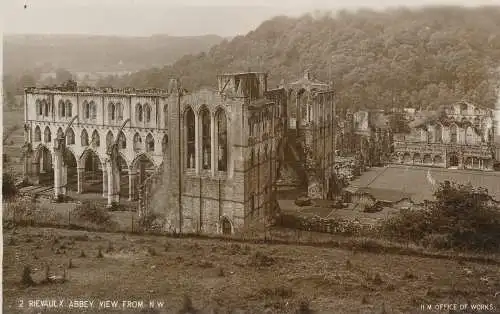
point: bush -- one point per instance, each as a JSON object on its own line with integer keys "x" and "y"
{"x": 461, "y": 217}
{"x": 9, "y": 190}
{"x": 93, "y": 214}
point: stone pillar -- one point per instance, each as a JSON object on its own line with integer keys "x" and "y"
{"x": 197, "y": 144}
{"x": 80, "y": 173}
{"x": 58, "y": 173}
{"x": 42, "y": 163}
{"x": 213, "y": 146}
{"x": 104, "y": 181}
{"x": 35, "y": 172}
{"x": 113, "y": 189}
{"x": 64, "y": 179}
{"x": 132, "y": 177}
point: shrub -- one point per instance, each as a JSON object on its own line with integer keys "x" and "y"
{"x": 461, "y": 217}
{"x": 9, "y": 190}
{"x": 90, "y": 212}
{"x": 26, "y": 277}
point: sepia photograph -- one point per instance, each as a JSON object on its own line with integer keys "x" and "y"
{"x": 244, "y": 157}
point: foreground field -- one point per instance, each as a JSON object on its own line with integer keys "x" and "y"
{"x": 225, "y": 277}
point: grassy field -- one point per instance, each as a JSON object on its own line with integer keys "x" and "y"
{"x": 228, "y": 277}
{"x": 15, "y": 140}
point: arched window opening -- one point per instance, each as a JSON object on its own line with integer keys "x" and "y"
{"x": 69, "y": 109}
{"x": 453, "y": 134}
{"x": 96, "y": 139}
{"x": 93, "y": 110}
{"x": 38, "y": 107}
{"x": 165, "y": 116}
{"x": 86, "y": 110}
{"x": 109, "y": 139}
{"x": 61, "y": 109}
{"x": 164, "y": 144}
{"x": 47, "y": 136}
{"x": 147, "y": 112}
{"x": 190, "y": 138}
{"x": 150, "y": 143}
{"x": 38, "y": 134}
{"x": 122, "y": 140}
{"x": 206, "y": 138}
{"x": 137, "y": 142}
{"x": 60, "y": 133}
{"x": 226, "y": 226}
{"x": 70, "y": 137}
{"x": 84, "y": 138}
{"x": 46, "y": 108}
{"x": 138, "y": 112}
{"x": 221, "y": 131}
{"x": 111, "y": 111}
{"x": 119, "y": 111}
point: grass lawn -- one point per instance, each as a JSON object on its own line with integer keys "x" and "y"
{"x": 227, "y": 276}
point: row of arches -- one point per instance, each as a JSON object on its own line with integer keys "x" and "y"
{"x": 44, "y": 108}
{"x": 201, "y": 146}
{"x": 95, "y": 139}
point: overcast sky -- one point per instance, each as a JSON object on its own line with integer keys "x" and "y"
{"x": 173, "y": 17}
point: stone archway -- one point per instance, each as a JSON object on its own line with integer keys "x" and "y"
{"x": 226, "y": 226}
{"x": 453, "y": 160}
{"x": 438, "y": 160}
{"x": 43, "y": 169}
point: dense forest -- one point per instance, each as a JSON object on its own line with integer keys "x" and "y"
{"x": 413, "y": 58}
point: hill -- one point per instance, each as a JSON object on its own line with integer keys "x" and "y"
{"x": 400, "y": 57}
{"x": 82, "y": 53}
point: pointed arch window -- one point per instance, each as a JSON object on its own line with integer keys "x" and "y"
{"x": 189, "y": 122}
{"x": 137, "y": 142}
{"x": 138, "y": 112}
{"x": 150, "y": 143}
{"x": 47, "y": 135}
{"x": 46, "y": 108}
{"x": 221, "y": 131}
{"x": 60, "y": 133}
{"x": 93, "y": 110}
{"x": 119, "y": 111}
{"x": 86, "y": 110}
{"x": 206, "y": 138}
{"x": 111, "y": 111}
{"x": 62, "y": 109}
{"x": 38, "y": 107}
{"x": 70, "y": 137}
{"x": 38, "y": 134}
{"x": 122, "y": 140}
{"x": 147, "y": 113}
{"x": 453, "y": 133}
{"x": 84, "y": 138}
{"x": 109, "y": 139}
{"x": 69, "y": 109}
{"x": 96, "y": 139}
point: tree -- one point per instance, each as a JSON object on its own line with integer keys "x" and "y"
{"x": 9, "y": 189}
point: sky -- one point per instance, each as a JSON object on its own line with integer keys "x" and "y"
{"x": 173, "y": 17}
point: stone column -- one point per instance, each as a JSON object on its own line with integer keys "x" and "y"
{"x": 64, "y": 179}
{"x": 42, "y": 163}
{"x": 213, "y": 146}
{"x": 80, "y": 173}
{"x": 113, "y": 189}
{"x": 35, "y": 172}
{"x": 58, "y": 159}
{"x": 132, "y": 177}
{"x": 104, "y": 181}
{"x": 197, "y": 144}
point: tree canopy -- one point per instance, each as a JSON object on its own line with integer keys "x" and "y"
{"x": 397, "y": 58}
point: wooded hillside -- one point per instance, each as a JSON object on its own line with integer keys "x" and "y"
{"x": 403, "y": 57}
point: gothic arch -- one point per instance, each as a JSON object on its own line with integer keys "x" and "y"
{"x": 70, "y": 137}
{"x": 47, "y": 135}
{"x": 39, "y": 109}
{"x": 61, "y": 108}
{"x": 133, "y": 165}
{"x": 86, "y": 153}
{"x": 138, "y": 112}
{"x": 137, "y": 142}
{"x": 84, "y": 138}
{"x": 86, "y": 110}
{"x": 222, "y": 139}
{"x": 38, "y": 134}
{"x": 45, "y": 107}
{"x": 93, "y": 110}
{"x": 69, "y": 108}
{"x": 111, "y": 111}
{"x": 206, "y": 138}
{"x": 122, "y": 140}
{"x": 147, "y": 112}
{"x": 150, "y": 143}
{"x": 96, "y": 138}
{"x": 38, "y": 150}
{"x": 109, "y": 138}
{"x": 189, "y": 125}
{"x": 226, "y": 225}
{"x": 119, "y": 111}
{"x": 60, "y": 133}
